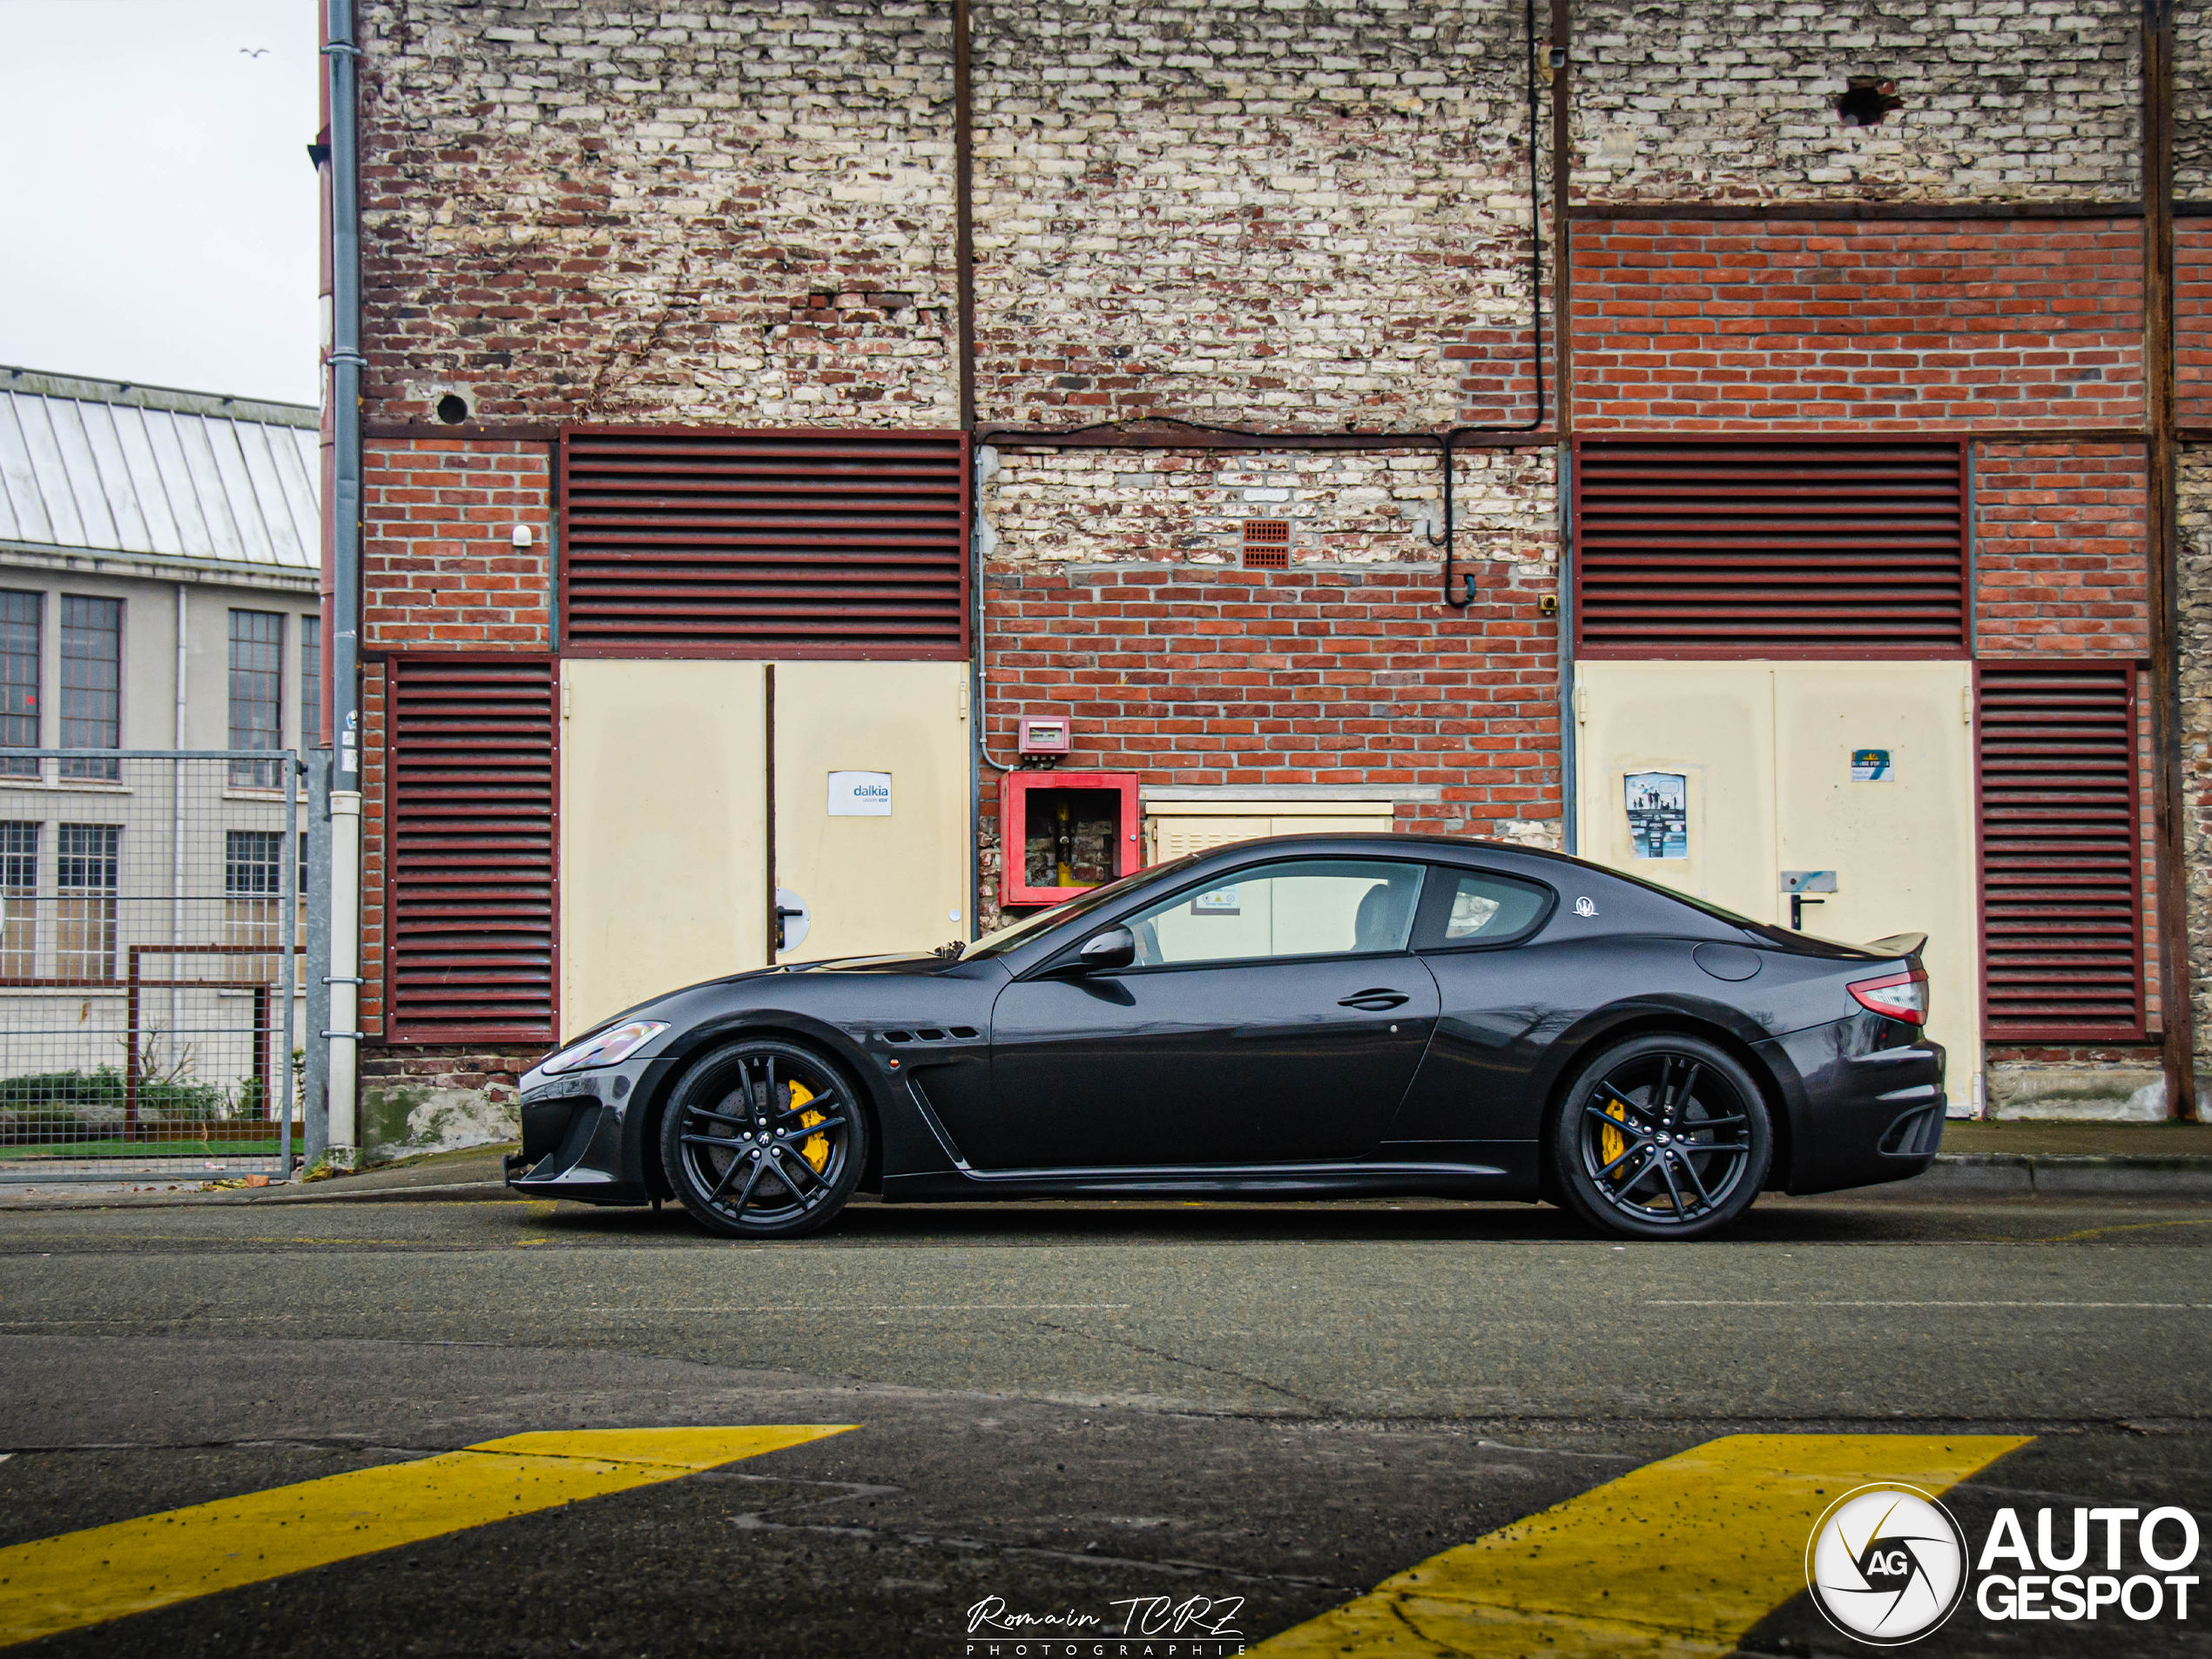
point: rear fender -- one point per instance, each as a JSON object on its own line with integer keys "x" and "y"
{"x": 1727, "y": 1029}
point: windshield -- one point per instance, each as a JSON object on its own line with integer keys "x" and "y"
{"x": 1002, "y": 940}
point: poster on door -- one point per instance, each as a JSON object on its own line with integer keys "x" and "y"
{"x": 1658, "y": 804}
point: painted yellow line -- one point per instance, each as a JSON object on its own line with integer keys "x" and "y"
{"x": 1681, "y": 1558}
{"x": 105, "y": 1573}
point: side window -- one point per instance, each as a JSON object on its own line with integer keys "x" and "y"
{"x": 1313, "y": 908}
{"x": 1477, "y": 908}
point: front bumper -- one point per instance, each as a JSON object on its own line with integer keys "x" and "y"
{"x": 575, "y": 1144}
{"x": 1865, "y": 1102}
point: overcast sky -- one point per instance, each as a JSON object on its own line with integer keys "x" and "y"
{"x": 156, "y": 205}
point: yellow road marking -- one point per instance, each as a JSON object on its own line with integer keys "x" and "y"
{"x": 1680, "y": 1558}
{"x": 2119, "y": 1227}
{"x": 105, "y": 1573}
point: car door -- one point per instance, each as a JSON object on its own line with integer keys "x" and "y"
{"x": 1508, "y": 986}
{"x": 1275, "y": 1016}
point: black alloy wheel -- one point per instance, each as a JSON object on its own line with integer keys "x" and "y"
{"x": 1663, "y": 1136}
{"x": 763, "y": 1139}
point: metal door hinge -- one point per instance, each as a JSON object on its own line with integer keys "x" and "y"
{"x": 1966, "y": 703}
{"x": 568, "y": 704}
{"x": 1581, "y": 705}
{"x": 961, "y": 704}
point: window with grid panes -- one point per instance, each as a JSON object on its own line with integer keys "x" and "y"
{"x": 91, "y": 683}
{"x": 20, "y": 664}
{"x": 257, "y": 693}
{"x": 18, "y": 900}
{"x": 310, "y": 683}
{"x": 253, "y": 901}
{"x": 87, "y": 868}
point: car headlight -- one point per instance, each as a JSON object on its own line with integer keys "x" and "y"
{"x": 617, "y": 1042}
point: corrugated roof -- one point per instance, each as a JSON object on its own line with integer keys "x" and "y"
{"x": 104, "y": 466}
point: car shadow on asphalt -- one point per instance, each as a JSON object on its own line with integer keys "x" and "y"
{"x": 868, "y": 1221}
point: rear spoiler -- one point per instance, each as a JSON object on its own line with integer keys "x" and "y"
{"x": 1896, "y": 945}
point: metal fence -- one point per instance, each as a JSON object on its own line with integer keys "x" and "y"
{"x": 150, "y": 962}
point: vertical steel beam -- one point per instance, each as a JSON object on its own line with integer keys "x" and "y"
{"x": 964, "y": 210}
{"x": 2177, "y": 1012}
{"x": 1562, "y": 67}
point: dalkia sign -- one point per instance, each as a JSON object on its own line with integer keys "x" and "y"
{"x": 1887, "y": 1565}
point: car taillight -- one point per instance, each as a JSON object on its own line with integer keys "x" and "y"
{"x": 1895, "y": 996}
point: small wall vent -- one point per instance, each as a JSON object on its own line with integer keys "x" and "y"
{"x": 1267, "y": 544}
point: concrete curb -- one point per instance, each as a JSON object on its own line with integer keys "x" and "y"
{"x": 443, "y": 1192}
{"x": 1980, "y": 1175}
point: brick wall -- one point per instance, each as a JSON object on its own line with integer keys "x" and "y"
{"x": 2192, "y": 101}
{"x": 1181, "y": 505}
{"x": 2193, "y": 320}
{"x": 2060, "y": 554}
{"x": 1249, "y": 213}
{"x": 1196, "y": 674}
{"x": 1229, "y": 212}
{"x": 1806, "y": 325}
{"x": 742, "y": 214}
{"x": 438, "y": 565}
{"x": 2002, "y": 99}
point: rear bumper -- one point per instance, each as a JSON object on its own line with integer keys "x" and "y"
{"x": 1866, "y": 1100}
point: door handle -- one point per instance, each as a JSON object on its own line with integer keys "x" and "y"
{"x": 1374, "y": 1002}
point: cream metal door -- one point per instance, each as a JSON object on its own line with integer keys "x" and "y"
{"x": 883, "y": 866}
{"x": 1767, "y": 751}
{"x": 1711, "y": 724}
{"x": 664, "y": 830}
{"x": 1175, "y": 828}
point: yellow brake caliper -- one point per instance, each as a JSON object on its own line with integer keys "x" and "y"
{"x": 815, "y": 1147}
{"x": 1610, "y": 1143}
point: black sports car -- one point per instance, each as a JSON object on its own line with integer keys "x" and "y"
{"x": 1304, "y": 1016}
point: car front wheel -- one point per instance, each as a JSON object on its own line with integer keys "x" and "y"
{"x": 763, "y": 1139}
{"x": 1661, "y": 1136}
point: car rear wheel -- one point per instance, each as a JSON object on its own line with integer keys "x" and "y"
{"x": 1661, "y": 1136}
{"x": 763, "y": 1139}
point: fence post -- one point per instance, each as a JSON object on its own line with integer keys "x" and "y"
{"x": 315, "y": 1126}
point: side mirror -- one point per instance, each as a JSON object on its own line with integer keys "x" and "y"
{"x": 1115, "y": 948}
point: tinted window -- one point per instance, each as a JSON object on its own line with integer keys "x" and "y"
{"x": 1486, "y": 909}
{"x": 1313, "y": 907}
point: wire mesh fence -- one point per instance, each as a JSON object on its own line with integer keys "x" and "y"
{"x": 151, "y": 931}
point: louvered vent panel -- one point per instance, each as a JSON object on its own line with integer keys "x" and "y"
{"x": 1745, "y": 547}
{"x": 766, "y": 544}
{"x": 470, "y": 892}
{"x": 2061, "y": 861}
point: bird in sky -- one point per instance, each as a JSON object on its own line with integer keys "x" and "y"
{"x": 253, "y": 52}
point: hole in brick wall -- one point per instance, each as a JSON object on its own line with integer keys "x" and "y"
{"x": 452, "y": 408}
{"x": 1867, "y": 100}
{"x": 1267, "y": 544}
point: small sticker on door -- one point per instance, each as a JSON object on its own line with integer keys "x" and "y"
{"x": 1872, "y": 766}
{"x": 1658, "y": 804}
{"x": 859, "y": 794}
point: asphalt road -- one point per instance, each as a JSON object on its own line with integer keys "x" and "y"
{"x": 1064, "y": 1407}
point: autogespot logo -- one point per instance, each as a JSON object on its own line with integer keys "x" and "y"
{"x": 1886, "y": 1564}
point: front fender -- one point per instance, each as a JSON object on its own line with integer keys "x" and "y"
{"x": 641, "y": 1124}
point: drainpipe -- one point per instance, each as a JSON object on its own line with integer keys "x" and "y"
{"x": 346, "y": 365}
